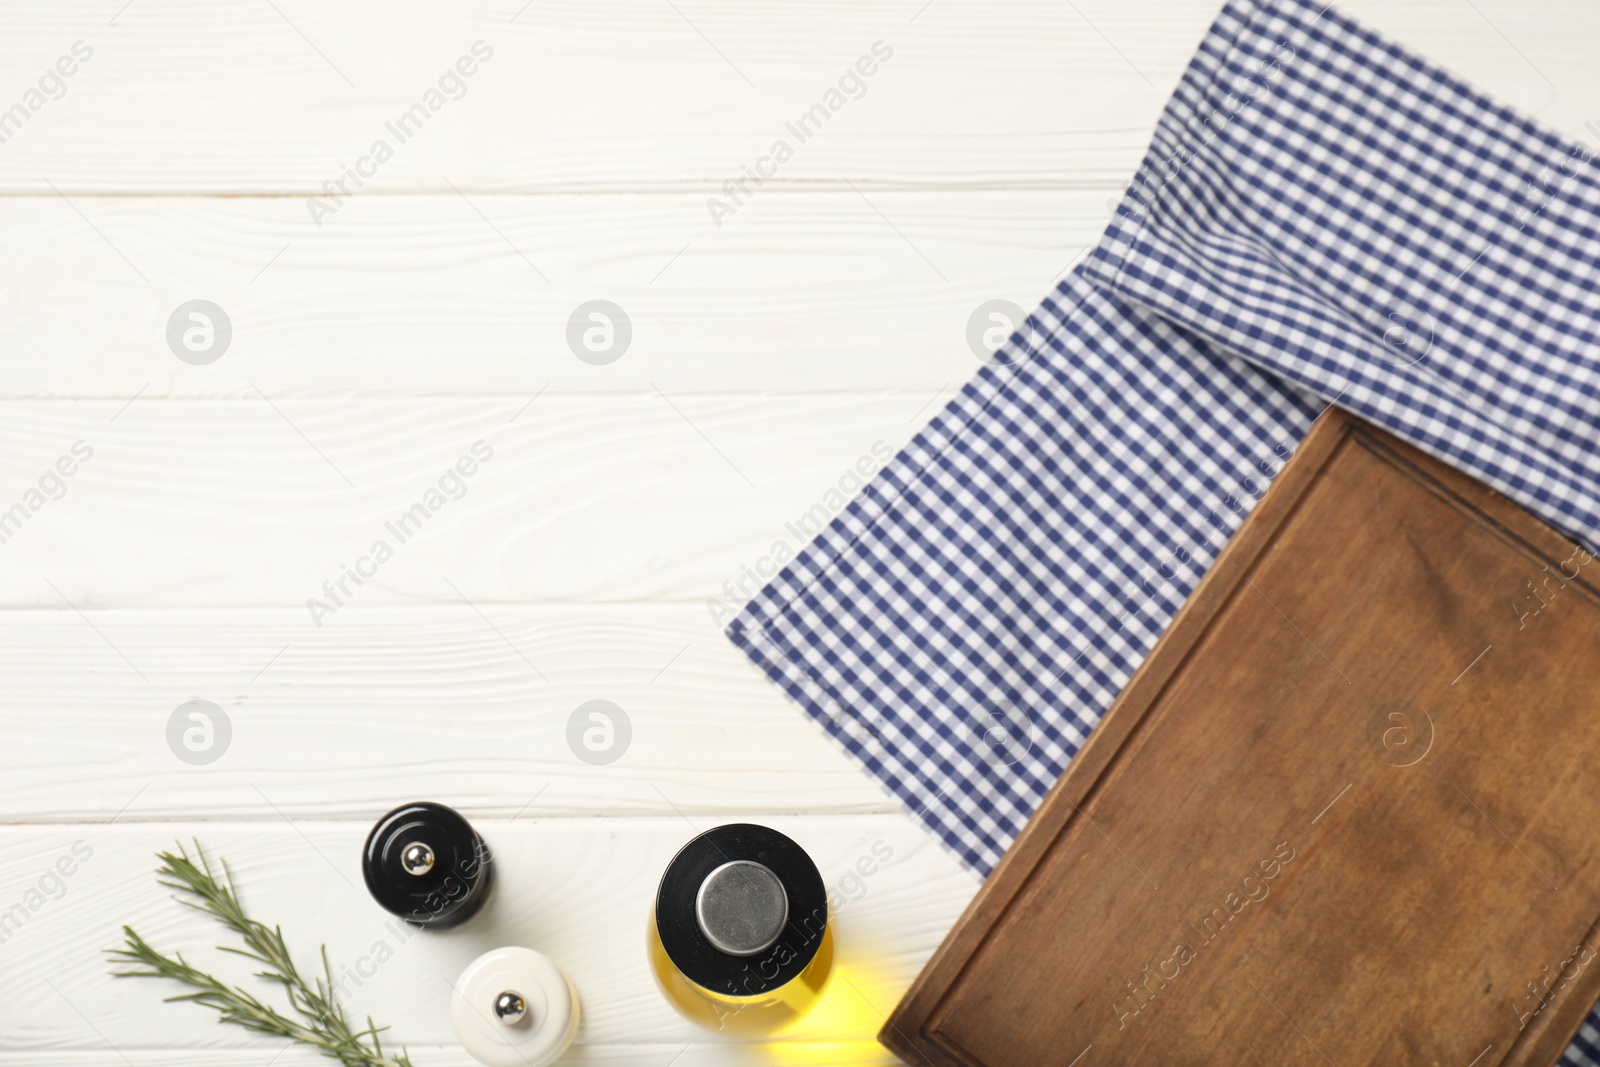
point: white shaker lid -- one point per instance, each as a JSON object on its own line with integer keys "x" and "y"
{"x": 514, "y": 1008}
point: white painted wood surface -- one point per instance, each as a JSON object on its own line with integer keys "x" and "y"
{"x": 588, "y": 558}
{"x": 408, "y": 295}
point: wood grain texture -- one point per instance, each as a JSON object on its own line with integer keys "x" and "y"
{"x": 631, "y": 96}
{"x": 408, "y": 296}
{"x": 639, "y": 497}
{"x": 579, "y": 890}
{"x": 1353, "y": 765}
{"x": 613, "y": 97}
{"x": 388, "y": 705}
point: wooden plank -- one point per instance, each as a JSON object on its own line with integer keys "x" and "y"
{"x": 1329, "y": 662}
{"x": 400, "y": 701}
{"x": 578, "y": 890}
{"x": 406, "y": 295}
{"x": 582, "y": 97}
{"x": 634, "y": 95}
{"x": 645, "y": 496}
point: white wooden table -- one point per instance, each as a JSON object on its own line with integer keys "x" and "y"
{"x": 623, "y": 506}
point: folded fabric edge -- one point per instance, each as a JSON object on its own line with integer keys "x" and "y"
{"x": 1189, "y": 110}
{"x": 1186, "y": 128}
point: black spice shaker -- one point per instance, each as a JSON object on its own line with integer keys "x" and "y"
{"x": 426, "y": 864}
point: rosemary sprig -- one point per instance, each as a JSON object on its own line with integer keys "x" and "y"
{"x": 318, "y": 1020}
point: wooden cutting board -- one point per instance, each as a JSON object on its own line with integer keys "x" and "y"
{"x": 1347, "y": 812}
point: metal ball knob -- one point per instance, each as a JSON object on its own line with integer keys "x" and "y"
{"x": 417, "y": 859}
{"x": 535, "y": 1011}
{"x": 510, "y": 1008}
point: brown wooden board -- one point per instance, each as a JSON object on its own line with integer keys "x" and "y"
{"x": 1347, "y": 812}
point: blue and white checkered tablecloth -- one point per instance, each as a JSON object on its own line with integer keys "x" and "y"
{"x": 1322, "y": 217}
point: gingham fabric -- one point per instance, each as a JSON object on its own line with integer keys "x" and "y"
{"x": 1358, "y": 222}
{"x": 1322, "y": 218}
{"x": 965, "y": 622}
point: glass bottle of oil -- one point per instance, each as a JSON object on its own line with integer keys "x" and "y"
{"x": 739, "y": 940}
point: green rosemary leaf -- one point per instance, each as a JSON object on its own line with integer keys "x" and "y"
{"x": 321, "y": 1022}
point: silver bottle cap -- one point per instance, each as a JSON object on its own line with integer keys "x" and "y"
{"x": 742, "y": 908}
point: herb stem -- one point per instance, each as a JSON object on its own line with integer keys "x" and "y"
{"x": 315, "y": 1018}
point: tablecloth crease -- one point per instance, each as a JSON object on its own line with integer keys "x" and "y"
{"x": 1355, "y": 220}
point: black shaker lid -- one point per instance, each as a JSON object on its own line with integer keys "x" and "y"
{"x": 426, "y": 863}
{"x": 741, "y": 910}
